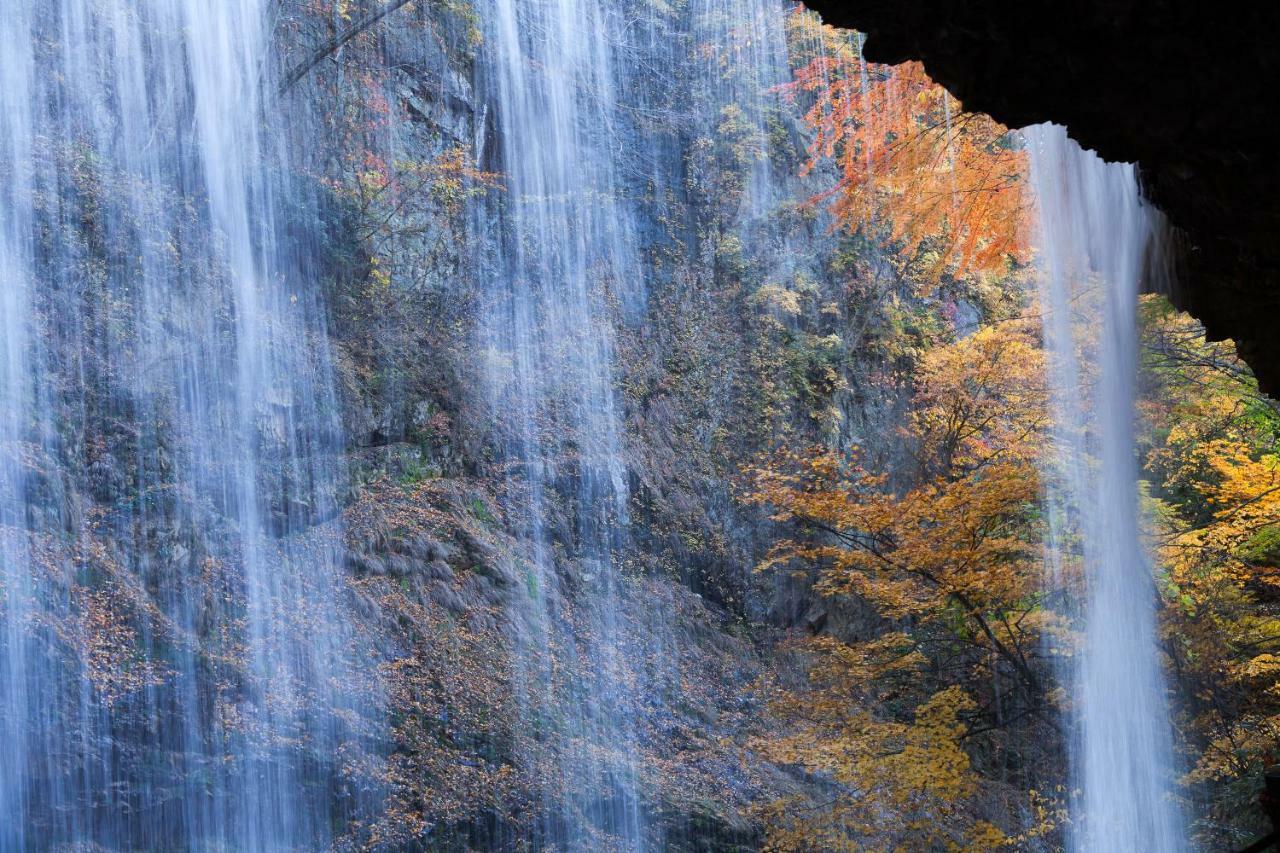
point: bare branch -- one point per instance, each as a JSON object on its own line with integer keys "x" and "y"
{"x": 318, "y": 55}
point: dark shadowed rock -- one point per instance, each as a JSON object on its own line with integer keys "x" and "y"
{"x": 443, "y": 594}
{"x": 365, "y": 564}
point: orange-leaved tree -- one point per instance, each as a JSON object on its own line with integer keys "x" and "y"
{"x": 915, "y": 170}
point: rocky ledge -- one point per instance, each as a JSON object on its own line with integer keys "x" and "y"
{"x": 1178, "y": 86}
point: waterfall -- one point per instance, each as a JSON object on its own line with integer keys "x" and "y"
{"x": 571, "y": 85}
{"x": 16, "y": 69}
{"x": 172, "y": 640}
{"x": 184, "y": 664}
{"x": 568, "y": 263}
{"x": 1095, "y": 233}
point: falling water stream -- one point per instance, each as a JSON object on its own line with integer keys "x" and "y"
{"x": 567, "y": 245}
{"x": 169, "y": 435}
{"x": 569, "y": 81}
{"x": 1095, "y": 238}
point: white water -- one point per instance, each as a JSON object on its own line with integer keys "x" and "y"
{"x": 572, "y": 84}
{"x": 164, "y": 369}
{"x": 1095, "y": 235}
{"x": 167, "y": 431}
{"x": 567, "y": 247}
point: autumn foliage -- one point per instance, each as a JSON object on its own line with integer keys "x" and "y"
{"x": 936, "y": 703}
{"x": 916, "y": 172}
{"x": 953, "y": 557}
{"x": 1213, "y": 474}
{"x": 933, "y": 697}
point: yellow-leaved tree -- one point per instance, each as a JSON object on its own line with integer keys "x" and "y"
{"x": 949, "y": 566}
{"x": 1213, "y": 468}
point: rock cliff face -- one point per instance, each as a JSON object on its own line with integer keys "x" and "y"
{"x": 755, "y": 329}
{"x": 388, "y": 473}
{"x": 1180, "y": 87}
{"x": 154, "y": 722}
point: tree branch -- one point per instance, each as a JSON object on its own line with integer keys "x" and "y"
{"x": 318, "y": 55}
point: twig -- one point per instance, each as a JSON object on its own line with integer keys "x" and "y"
{"x": 318, "y": 55}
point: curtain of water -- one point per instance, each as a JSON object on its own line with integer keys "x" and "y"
{"x": 16, "y": 69}
{"x": 743, "y": 61}
{"x": 568, "y": 261}
{"x": 1094, "y": 237}
{"x": 171, "y": 634}
{"x": 169, "y": 427}
{"x": 572, "y": 84}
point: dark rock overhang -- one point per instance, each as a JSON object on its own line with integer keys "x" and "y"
{"x": 1184, "y": 88}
